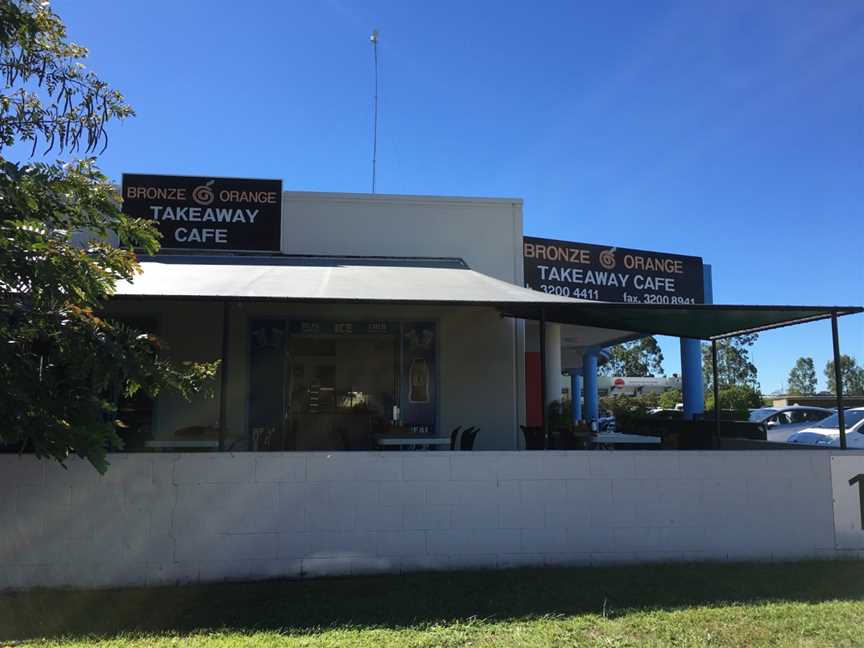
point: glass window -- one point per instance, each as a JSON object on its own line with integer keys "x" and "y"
{"x": 340, "y": 385}
{"x": 850, "y": 418}
{"x": 761, "y": 414}
{"x": 342, "y": 389}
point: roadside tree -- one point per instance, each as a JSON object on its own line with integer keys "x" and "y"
{"x": 802, "y": 378}
{"x": 734, "y": 366}
{"x": 63, "y": 363}
{"x": 639, "y": 358}
{"x": 670, "y": 398}
{"x": 738, "y": 398}
{"x": 851, "y": 376}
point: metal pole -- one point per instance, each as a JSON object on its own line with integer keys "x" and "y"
{"x": 223, "y": 369}
{"x": 374, "y": 40}
{"x": 716, "y": 391}
{"x": 838, "y": 382}
{"x": 543, "y": 416}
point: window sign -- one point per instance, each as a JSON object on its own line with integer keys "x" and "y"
{"x": 419, "y": 388}
{"x": 207, "y": 213}
{"x": 605, "y": 273}
{"x": 342, "y": 328}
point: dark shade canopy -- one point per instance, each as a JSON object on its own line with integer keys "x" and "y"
{"x": 702, "y": 321}
{"x": 446, "y": 282}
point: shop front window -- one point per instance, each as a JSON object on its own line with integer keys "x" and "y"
{"x": 339, "y": 385}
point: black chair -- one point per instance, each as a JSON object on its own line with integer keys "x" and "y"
{"x": 533, "y": 437}
{"x": 468, "y": 437}
{"x": 453, "y": 436}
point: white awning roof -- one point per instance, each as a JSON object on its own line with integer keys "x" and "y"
{"x": 325, "y": 279}
{"x": 447, "y": 282}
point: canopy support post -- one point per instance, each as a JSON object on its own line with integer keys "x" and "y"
{"x": 544, "y": 418}
{"x": 223, "y": 374}
{"x": 716, "y": 385}
{"x": 575, "y": 396}
{"x": 838, "y": 381}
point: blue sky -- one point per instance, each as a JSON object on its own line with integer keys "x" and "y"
{"x": 733, "y": 131}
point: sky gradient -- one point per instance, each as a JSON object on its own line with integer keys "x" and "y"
{"x": 732, "y": 131}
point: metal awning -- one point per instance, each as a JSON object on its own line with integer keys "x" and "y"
{"x": 701, "y": 321}
{"x": 413, "y": 281}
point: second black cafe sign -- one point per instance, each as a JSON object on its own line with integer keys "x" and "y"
{"x": 613, "y": 274}
{"x": 200, "y": 212}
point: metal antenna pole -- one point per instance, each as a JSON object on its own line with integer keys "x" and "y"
{"x": 374, "y": 40}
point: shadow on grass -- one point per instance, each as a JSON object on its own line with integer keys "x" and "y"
{"x": 399, "y": 601}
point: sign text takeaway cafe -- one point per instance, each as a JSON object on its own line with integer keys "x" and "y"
{"x": 345, "y": 321}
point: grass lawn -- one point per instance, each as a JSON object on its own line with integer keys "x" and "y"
{"x": 794, "y": 604}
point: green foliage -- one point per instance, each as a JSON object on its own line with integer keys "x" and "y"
{"x": 851, "y": 376}
{"x": 733, "y": 362}
{"x": 625, "y": 408}
{"x": 62, "y": 364}
{"x": 802, "y": 378}
{"x": 738, "y": 398}
{"x": 560, "y": 414}
{"x": 639, "y": 358}
{"x": 48, "y": 94}
{"x": 670, "y": 398}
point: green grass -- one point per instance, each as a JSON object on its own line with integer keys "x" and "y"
{"x": 795, "y": 604}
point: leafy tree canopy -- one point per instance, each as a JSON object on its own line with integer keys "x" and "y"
{"x": 670, "y": 398}
{"x": 851, "y": 376}
{"x": 802, "y": 378}
{"x": 639, "y": 358}
{"x": 63, "y": 363}
{"x": 739, "y": 398}
{"x": 624, "y": 407}
{"x": 734, "y": 366}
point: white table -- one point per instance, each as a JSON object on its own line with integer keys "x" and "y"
{"x": 384, "y": 441}
{"x": 609, "y": 438}
{"x": 192, "y": 443}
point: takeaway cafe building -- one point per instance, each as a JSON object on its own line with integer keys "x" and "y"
{"x": 351, "y": 324}
{"x": 344, "y": 319}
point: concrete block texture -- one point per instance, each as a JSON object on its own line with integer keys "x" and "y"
{"x": 171, "y": 518}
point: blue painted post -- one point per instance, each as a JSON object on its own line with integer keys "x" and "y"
{"x": 692, "y": 387}
{"x": 692, "y": 390}
{"x": 589, "y": 375}
{"x": 576, "y": 396}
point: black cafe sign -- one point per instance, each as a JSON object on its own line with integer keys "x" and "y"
{"x": 605, "y": 273}
{"x": 208, "y": 213}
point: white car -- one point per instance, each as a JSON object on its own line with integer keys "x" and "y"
{"x": 782, "y": 422}
{"x": 826, "y": 432}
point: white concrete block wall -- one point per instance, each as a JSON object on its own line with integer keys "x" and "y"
{"x": 183, "y": 518}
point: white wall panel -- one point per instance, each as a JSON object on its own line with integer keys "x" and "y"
{"x": 184, "y": 518}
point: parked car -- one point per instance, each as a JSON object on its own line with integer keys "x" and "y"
{"x": 659, "y": 412}
{"x": 782, "y": 422}
{"x": 827, "y": 432}
{"x": 606, "y": 422}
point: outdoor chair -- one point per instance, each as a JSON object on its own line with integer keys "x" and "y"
{"x": 533, "y": 437}
{"x": 453, "y": 437}
{"x": 468, "y": 436}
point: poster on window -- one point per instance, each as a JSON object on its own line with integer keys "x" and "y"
{"x": 419, "y": 389}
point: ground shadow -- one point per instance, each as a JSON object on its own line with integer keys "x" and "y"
{"x": 398, "y": 601}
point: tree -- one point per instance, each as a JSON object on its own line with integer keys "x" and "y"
{"x": 851, "y": 376}
{"x": 739, "y": 398}
{"x": 639, "y": 358}
{"x": 733, "y": 362}
{"x": 802, "y": 378}
{"x": 670, "y": 398}
{"x": 63, "y": 363}
{"x": 623, "y": 406}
